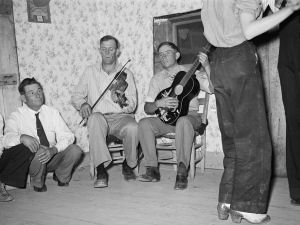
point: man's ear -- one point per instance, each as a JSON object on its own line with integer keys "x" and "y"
{"x": 23, "y": 98}
{"x": 177, "y": 54}
{"x": 118, "y": 52}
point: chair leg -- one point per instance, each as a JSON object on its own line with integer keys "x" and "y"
{"x": 92, "y": 170}
{"x": 192, "y": 163}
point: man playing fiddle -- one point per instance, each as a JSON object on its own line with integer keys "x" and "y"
{"x": 152, "y": 127}
{"x": 112, "y": 115}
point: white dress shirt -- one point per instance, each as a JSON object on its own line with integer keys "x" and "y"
{"x": 94, "y": 81}
{"x": 23, "y": 121}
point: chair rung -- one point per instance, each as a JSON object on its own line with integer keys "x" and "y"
{"x": 168, "y": 161}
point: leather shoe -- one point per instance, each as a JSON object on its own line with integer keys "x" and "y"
{"x": 4, "y": 195}
{"x": 152, "y": 175}
{"x": 40, "y": 189}
{"x": 102, "y": 180}
{"x": 295, "y": 201}
{"x": 237, "y": 217}
{"x": 223, "y": 211}
{"x": 61, "y": 184}
{"x": 181, "y": 182}
{"x": 127, "y": 172}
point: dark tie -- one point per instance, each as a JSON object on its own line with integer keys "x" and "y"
{"x": 41, "y": 132}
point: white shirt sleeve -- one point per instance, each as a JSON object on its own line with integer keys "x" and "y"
{"x": 11, "y": 131}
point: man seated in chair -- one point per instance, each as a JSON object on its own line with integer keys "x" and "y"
{"x": 152, "y": 127}
{"x": 41, "y": 129}
{"x": 14, "y": 164}
{"x": 112, "y": 114}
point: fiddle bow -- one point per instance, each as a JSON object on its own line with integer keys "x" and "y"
{"x": 108, "y": 86}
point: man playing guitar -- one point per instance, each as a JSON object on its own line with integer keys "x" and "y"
{"x": 152, "y": 127}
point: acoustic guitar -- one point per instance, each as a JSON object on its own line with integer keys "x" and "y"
{"x": 184, "y": 87}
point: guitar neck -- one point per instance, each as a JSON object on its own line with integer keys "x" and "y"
{"x": 194, "y": 67}
{"x": 190, "y": 73}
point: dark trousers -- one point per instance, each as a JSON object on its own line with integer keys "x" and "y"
{"x": 289, "y": 73}
{"x": 244, "y": 128}
{"x": 14, "y": 165}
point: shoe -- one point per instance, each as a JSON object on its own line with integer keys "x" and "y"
{"x": 223, "y": 211}
{"x": 4, "y": 195}
{"x": 40, "y": 189}
{"x": 128, "y": 172}
{"x": 295, "y": 201}
{"x": 61, "y": 184}
{"x": 237, "y": 216}
{"x": 152, "y": 175}
{"x": 102, "y": 180}
{"x": 181, "y": 182}
{"x": 181, "y": 178}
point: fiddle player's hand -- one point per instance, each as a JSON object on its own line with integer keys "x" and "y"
{"x": 85, "y": 110}
{"x": 168, "y": 102}
{"x": 203, "y": 59}
{"x": 115, "y": 95}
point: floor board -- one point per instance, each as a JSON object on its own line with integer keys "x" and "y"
{"x": 133, "y": 203}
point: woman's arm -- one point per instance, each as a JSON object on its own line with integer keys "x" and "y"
{"x": 253, "y": 27}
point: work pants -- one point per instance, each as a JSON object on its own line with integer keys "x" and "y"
{"x": 244, "y": 128}
{"x": 14, "y": 165}
{"x": 122, "y": 126}
{"x": 152, "y": 127}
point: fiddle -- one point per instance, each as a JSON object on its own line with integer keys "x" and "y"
{"x": 118, "y": 88}
{"x": 118, "y": 91}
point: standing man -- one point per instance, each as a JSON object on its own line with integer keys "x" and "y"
{"x": 152, "y": 127}
{"x": 289, "y": 73}
{"x": 112, "y": 115}
{"x": 41, "y": 129}
{"x": 14, "y": 164}
{"x": 229, "y": 25}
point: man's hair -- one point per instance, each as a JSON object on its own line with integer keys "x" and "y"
{"x": 26, "y": 82}
{"x": 109, "y": 37}
{"x": 171, "y": 45}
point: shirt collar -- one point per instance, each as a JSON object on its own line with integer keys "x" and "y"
{"x": 32, "y": 111}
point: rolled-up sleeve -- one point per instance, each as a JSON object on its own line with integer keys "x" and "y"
{"x": 250, "y": 6}
{"x": 80, "y": 92}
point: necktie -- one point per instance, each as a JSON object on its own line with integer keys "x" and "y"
{"x": 41, "y": 132}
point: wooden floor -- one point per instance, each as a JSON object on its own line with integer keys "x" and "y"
{"x": 133, "y": 203}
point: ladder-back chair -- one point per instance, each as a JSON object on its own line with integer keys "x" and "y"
{"x": 167, "y": 142}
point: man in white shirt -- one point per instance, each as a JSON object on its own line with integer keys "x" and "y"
{"x": 41, "y": 129}
{"x": 14, "y": 164}
{"x": 112, "y": 115}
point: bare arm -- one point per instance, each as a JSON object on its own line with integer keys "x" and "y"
{"x": 252, "y": 27}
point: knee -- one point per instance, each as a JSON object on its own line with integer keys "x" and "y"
{"x": 75, "y": 152}
{"x": 132, "y": 127}
{"x": 144, "y": 124}
{"x": 183, "y": 123}
{"x": 94, "y": 118}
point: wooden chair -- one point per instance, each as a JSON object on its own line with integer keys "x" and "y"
{"x": 167, "y": 142}
{"x": 116, "y": 150}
